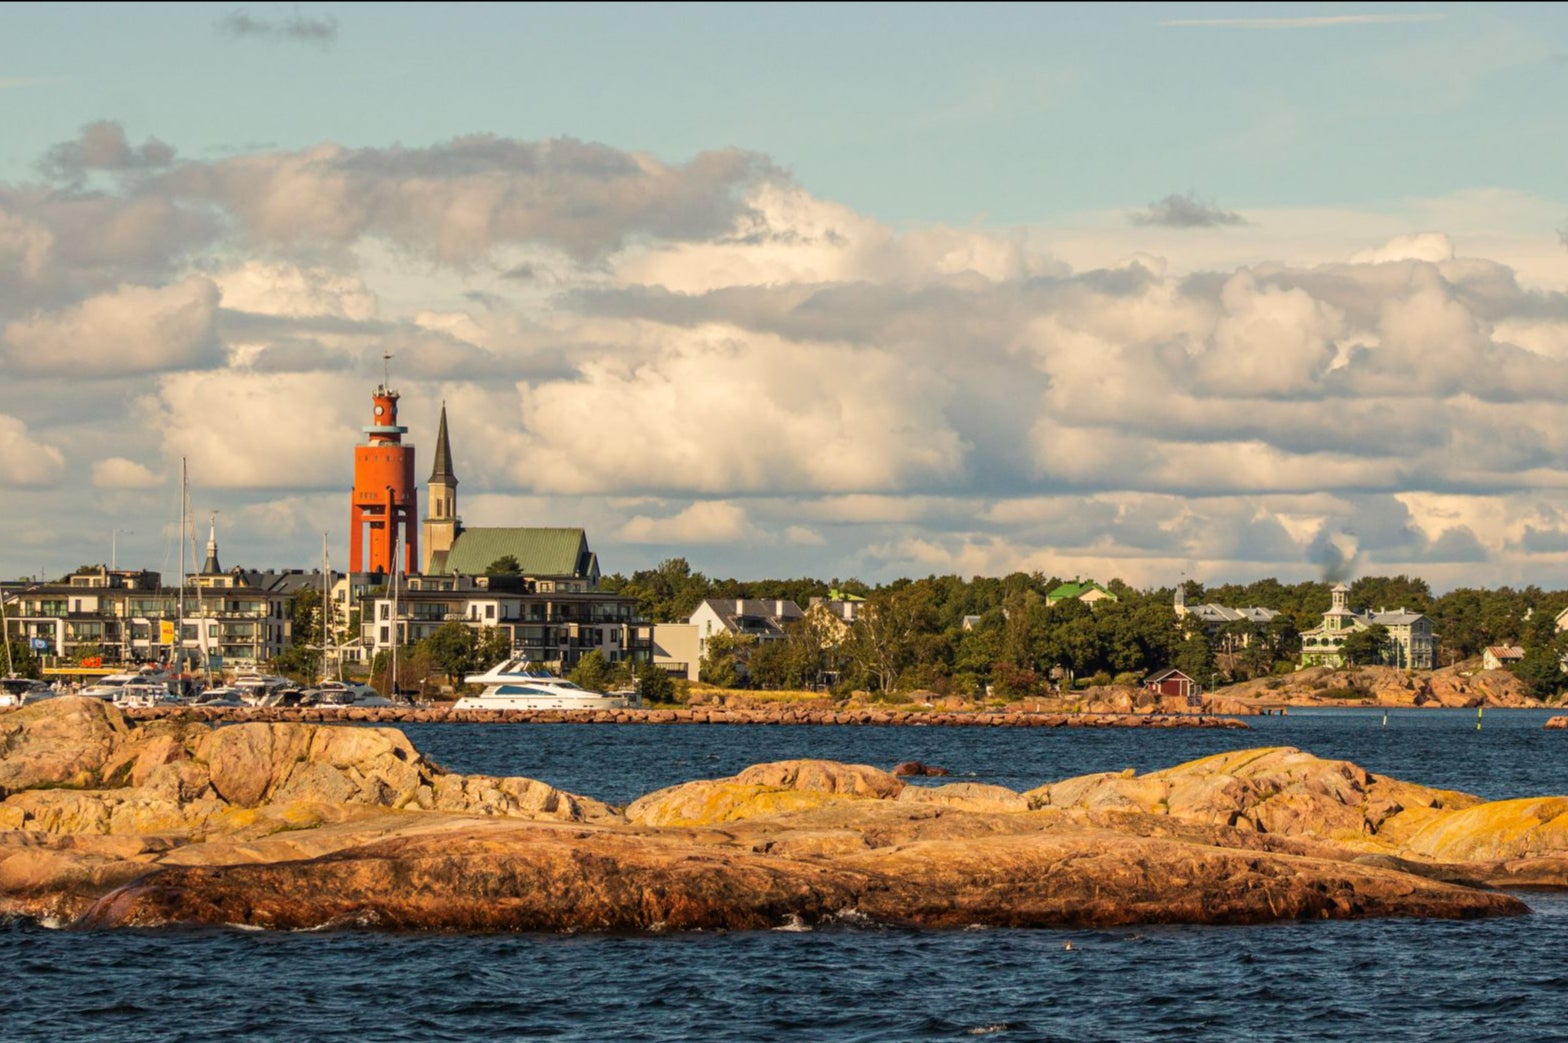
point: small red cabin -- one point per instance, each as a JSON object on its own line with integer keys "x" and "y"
{"x": 1173, "y": 682}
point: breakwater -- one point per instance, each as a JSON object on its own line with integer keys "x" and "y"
{"x": 683, "y": 715}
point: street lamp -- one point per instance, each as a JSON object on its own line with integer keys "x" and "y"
{"x": 114, "y": 547}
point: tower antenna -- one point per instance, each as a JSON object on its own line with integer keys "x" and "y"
{"x": 386, "y": 369}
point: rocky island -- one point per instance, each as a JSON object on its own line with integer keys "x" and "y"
{"x": 107, "y": 822}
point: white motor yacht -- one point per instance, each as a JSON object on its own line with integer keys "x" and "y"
{"x": 512, "y": 686}
{"x": 107, "y": 688}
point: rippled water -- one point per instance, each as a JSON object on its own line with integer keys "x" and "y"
{"x": 1356, "y": 981}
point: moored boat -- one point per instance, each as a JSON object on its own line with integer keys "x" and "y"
{"x": 512, "y": 686}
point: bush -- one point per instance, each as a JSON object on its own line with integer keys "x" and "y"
{"x": 1128, "y": 680}
{"x": 1345, "y": 693}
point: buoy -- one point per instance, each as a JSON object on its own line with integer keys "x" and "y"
{"x": 1478, "y": 710}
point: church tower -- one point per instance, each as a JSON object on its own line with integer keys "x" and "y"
{"x": 210, "y": 567}
{"x": 442, "y": 525}
{"x": 386, "y": 499}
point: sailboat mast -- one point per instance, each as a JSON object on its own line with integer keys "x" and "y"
{"x": 328, "y": 639}
{"x": 5, "y": 635}
{"x": 179, "y": 622}
{"x": 396, "y": 626}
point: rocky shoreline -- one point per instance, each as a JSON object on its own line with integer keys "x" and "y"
{"x": 779, "y": 714}
{"x": 107, "y": 822}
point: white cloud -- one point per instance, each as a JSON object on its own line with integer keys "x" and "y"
{"x": 25, "y": 461}
{"x": 295, "y": 292}
{"x": 723, "y": 410}
{"x": 116, "y": 472}
{"x": 706, "y": 521}
{"x": 1420, "y": 246}
{"x": 788, "y": 384}
{"x": 135, "y": 329}
{"x": 261, "y": 431}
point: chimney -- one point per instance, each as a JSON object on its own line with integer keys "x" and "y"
{"x": 778, "y": 608}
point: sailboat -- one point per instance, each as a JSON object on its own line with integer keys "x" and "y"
{"x": 14, "y": 690}
{"x": 330, "y": 690}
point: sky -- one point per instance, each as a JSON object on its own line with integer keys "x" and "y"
{"x": 1144, "y": 291}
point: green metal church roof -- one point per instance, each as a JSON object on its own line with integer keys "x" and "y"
{"x": 540, "y": 552}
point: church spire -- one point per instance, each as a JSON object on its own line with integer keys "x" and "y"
{"x": 210, "y": 567}
{"x": 442, "y": 471}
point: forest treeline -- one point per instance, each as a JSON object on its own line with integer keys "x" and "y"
{"x": 912, "y": 633}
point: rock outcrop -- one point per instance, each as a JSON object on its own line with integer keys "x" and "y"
{"x": 283, "y": 825}
{"x": 1462, "y": 686}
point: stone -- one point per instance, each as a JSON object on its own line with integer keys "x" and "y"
{"x": 296, "y": 825}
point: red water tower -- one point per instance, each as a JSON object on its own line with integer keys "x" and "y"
{"x": 386, "y": 500}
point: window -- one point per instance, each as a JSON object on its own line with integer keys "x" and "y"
{"x": 489, "y": 611}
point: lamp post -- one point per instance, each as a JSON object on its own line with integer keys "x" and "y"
{"x": 114, "y": 547}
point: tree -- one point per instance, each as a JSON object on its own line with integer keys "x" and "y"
{"x": 724, "y": 660}
{"x": 23, "y": 661}
{"x": 505, "y": 565}
{"x": 1541, "y": 670}
{"x": 654, "y": 684}
{"x": 887, "y": 630}
{"x": 1195, "y": 657}
{"x": 592, "y": 672}
{"x": 453, "y": 650}
{"x": 1368, "y": 647}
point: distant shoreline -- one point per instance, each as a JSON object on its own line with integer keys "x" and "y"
{"x": 685, "y": 715}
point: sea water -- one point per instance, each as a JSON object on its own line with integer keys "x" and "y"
{"x": 1354, "y": 981}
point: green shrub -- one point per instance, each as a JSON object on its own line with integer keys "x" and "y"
{"x": 1345, "y": 693}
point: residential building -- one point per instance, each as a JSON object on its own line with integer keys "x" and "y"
{"x": 675, "y": 649}
{"x": 1498, "y": 656}
{"x": 241, "y": 619}
{"x": 764, "y": 620}
{"x": 1219, "y": 621}
{"x": 1087, "y": 591}
{"x": 542, "y": 622}
{"x": 1411, "y": 644}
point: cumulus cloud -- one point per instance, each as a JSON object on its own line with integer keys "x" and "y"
{"x": 24, "y": 460}
{"x": 259, "y": 430}
{"x": 459, "y": 200}
{"x": 298, "y": 28}
{"x": 755, "y": 414}
{"x": 1432, "y": 247}
{"x": 705, "y": 353}
{"x": 1185, "y": 211}
{"x": 104, "y": 146}
{"x": 116, "y": 472}
{"x": 706, "y": 521}
{"x": 135, "y": 329}
{"x": 292, "y": 291}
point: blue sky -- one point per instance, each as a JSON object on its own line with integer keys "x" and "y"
{"x": 841, "y": 290}
{"x": 1003, "y": 114}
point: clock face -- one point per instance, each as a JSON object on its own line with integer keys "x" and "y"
{"x": 380, "y": 410}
